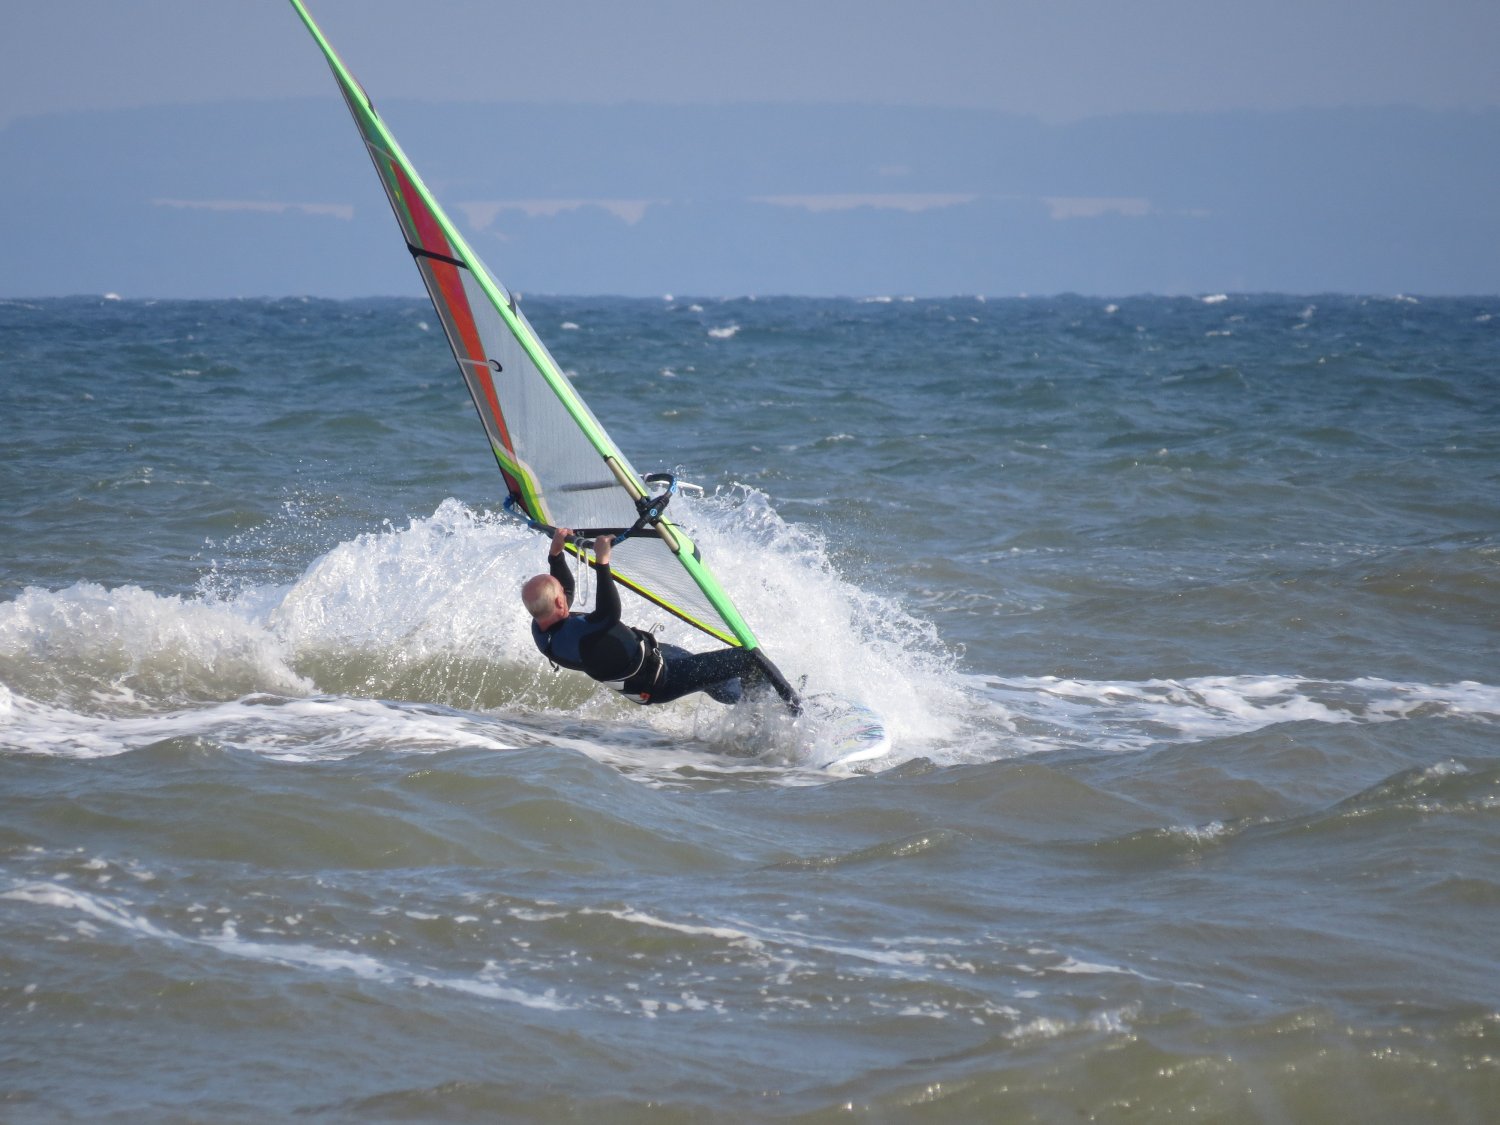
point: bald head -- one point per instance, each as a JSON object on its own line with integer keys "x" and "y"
{"x": 543, "y": 596}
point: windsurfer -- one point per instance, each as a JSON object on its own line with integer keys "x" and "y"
{"x": 631, "y": 660}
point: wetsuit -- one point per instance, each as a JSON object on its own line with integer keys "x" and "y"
{"x": 631, "y": 661}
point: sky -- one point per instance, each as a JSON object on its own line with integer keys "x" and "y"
{"x": 1059, "y": 61}
{"x": 787, "y": 146}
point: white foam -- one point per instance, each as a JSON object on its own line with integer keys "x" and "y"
{"x": 1090, "y": 968}
{"x": 641, "y": 918}
{"x": 445, "y": 587}
{"x": 847, "y": 640}
{"x": 293, "y": 730}
{"x": 414, "y": 607}
{"x": 89, "y": 672}
{"x": 446, "y": 584}
{"x": 1114, "y": 1022}
{"x": 1201, "y": 833}
{"x": 888, "y": 957}
{"x": 1048, "y": 713}
{"x": 296, "y": 955}
{"x": 94, "y": 906}
{"x": 129, "y": 640}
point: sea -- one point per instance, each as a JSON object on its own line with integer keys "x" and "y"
{"x": 1182, "y": 613}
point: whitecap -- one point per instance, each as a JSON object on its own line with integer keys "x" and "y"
{"x": 1040, "y": 714}
{"x": 488, "y": 983}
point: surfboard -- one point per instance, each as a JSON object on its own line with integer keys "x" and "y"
{"x": 843, "y": 732}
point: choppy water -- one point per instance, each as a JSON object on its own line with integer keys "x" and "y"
{"x": 1183, "y": 613}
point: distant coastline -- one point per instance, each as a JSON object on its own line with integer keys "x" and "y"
{"x": 252, "y": 198}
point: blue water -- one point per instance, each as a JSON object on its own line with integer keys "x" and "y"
{"x": 1182, "y": 613}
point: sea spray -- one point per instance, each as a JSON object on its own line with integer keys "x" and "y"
{"x": 95, "y": 649}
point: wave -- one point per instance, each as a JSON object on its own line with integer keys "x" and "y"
{"x": 95, "y": 649}
{"x": 312, "y": 728}
{"x": 1046, "y": 713}
{"x": 99, "y": 910}
{"x": 427, "y": 614}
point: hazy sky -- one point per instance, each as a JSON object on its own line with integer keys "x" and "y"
{"x": 1058, "y": 60}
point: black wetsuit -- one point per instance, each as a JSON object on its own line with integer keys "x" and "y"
{"x": 630, "y": 660}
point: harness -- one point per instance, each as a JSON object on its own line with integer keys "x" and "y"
{"x": 637, "y": 685}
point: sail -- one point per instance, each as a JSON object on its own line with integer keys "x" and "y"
{"x": 559, "y": 465}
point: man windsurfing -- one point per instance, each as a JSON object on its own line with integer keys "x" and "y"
{"x": 631, "y": 660}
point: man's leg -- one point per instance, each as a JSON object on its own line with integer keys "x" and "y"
{"x": 773, "y": 676}
{"x": 716, "y": 672}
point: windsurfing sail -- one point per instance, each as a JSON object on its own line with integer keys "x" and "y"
{"x": 560, "y": 467}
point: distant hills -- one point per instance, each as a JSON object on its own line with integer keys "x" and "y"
{"x": 277, "y": 198}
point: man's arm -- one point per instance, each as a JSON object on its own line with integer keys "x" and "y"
{"x": 557, "y": 562}
{"x": 606, "y": 594}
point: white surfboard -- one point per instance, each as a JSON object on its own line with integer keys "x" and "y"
{"x": 843, "y": 732}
